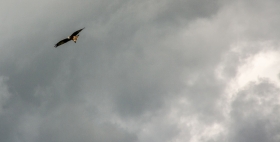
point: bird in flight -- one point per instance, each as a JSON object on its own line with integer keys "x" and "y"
{"x": 73, "y": 37}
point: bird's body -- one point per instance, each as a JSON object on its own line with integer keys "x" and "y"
{"x": 73, "y": 37}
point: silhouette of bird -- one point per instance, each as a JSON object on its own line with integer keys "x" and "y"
{"x": 73, "y": 37}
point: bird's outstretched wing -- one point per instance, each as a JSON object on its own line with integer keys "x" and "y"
{"x": 75, "y": 33}
{"x": 62, "y": 42}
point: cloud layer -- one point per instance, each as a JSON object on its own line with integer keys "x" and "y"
{"x": 141, "y": 71}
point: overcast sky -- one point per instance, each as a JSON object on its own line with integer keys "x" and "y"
{"x": 141, "y": 71}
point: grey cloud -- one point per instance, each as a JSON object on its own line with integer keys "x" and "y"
{"x": 255, "y": 112}
{"x": 133, "y": 63}
{"x": 69, "y": 123}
